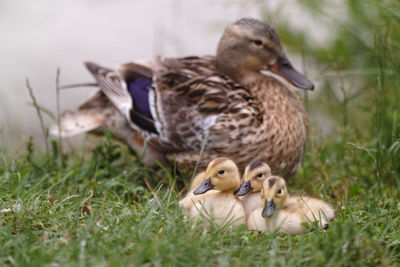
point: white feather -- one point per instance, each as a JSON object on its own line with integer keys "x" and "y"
{"x": 77, "y": 123}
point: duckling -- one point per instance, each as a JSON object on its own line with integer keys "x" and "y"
{"x": 285, "y": 213}
{"x": 197, "y": 180}
{"x": 249, "y": 192}
{"x": 222, "y": 206}
{"x": 188, "y": 201}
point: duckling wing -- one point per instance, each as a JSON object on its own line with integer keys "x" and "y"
{"x": 317, "y": 210}
{"x": 288, "y": 222}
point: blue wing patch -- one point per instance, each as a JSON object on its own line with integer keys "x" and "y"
{"x": 141, "y": 114}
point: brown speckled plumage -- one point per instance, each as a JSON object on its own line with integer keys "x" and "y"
{"x": 246, "y": 116}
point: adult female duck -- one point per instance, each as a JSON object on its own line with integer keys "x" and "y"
{"x": 173, "y": 104}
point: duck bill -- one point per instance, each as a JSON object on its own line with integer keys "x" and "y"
{"x": 203, "y": 187}
{"x": 269, "y": 208}
{"x": 245, "y": 188}
{"x": 284, "y": 68}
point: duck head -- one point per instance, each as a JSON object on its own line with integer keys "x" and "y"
{"x": 274, "y": 194}
{"x": 254, "y": 176}
{"x": 249, "y": 46}
{"x": 221, "y": 174}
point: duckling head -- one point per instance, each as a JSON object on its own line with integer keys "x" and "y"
{"x": 254, "y": 175}
{"x": 274, "y": 194}
{"x": 221, "y": 174}
{"x": 249, "y": 46}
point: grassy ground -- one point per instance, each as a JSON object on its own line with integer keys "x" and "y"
{"x": 98, "y": 210}
{"x": 103, "y": 207}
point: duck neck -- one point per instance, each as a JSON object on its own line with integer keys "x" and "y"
{"x": 265, "y": 87}
{"x": 240, "y": 75}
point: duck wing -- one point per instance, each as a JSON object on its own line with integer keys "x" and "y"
{"x": 110, "y": 84}
{"x": 174, "y": 103}
{"x": 128, "y": 88}
{"x": 192, "y": 100}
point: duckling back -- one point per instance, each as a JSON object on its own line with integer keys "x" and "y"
{"x": 315, "y": 209}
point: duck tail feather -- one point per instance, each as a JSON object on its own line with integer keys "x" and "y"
{"x": 88, "y": 117}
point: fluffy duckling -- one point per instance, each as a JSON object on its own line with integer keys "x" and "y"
{"x": 221, "y": 206}
{"x": 285, "y": 213}
{"x": 249, "y": 192}
{"x": 188, "y": 201}
{"x": 197, "y": 180}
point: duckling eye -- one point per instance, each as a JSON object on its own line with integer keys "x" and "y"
{"x": 259, "y": 175}
{"x": 221, "y": 172}
{"x": 257, "y": 42}
{"x": 279, "y": 191}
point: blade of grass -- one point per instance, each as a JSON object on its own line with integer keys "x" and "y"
{"x": 60, "y": 146}
{"x": 38, "y": 111}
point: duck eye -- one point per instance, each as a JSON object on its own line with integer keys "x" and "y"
{"x": 279, "y": 191}
{"x": 221, "y": 172}
{"x": 257, "y": 42}
{"x": 259, "y": 175}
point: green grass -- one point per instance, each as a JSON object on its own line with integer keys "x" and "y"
{"x": 102, "y": 206}
{"x": 97, "y": 210}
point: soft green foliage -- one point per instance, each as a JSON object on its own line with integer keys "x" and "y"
{"x": 358, "y": 77}
{"x": 104, "y": 207}
{"x": 97, "y": 210}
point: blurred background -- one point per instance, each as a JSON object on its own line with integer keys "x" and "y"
{"x": 348, "y": 48}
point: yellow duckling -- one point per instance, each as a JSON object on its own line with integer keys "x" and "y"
{"x": 190, "y": 199}
{"x": 249, "y": 192}
{"x": 285, "y": 213}
{"x": 197, "y": 180}
{"x": 222, "y": 206}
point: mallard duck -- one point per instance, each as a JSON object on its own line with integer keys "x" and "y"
{"x": 249, "y": 192}
{"x": 222, "y": 207}
{"x": 285, "y": 213}
{"x": 167, "y": 107}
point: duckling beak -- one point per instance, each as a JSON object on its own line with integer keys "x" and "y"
{"x": 204, "y": 187}
{"x": 269, "y": 208}
{"x": 245, "y": 188}
{"x": 284, "y": 68}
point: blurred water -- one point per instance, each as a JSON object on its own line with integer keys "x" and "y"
{"x": 39, "y": 36}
